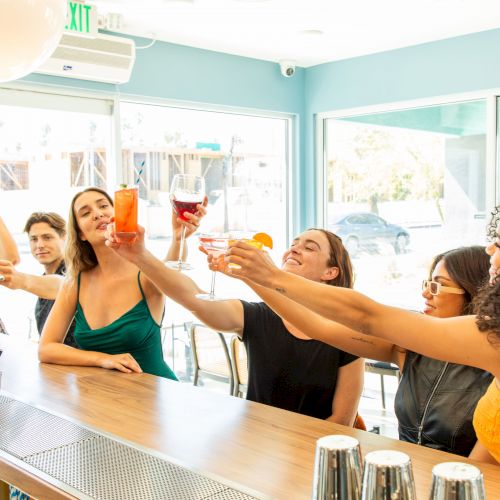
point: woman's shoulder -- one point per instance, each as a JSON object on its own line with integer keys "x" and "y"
{"x": 147, "y": 286}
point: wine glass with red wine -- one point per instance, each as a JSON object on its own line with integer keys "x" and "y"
{"x": 186, "y": 192}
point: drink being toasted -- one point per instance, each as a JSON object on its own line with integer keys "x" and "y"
{"x": 185, "y": 206}
{"x": 215, "y": 246}
{"x": 126, "y": 209}
{"x": 248, "y": 241}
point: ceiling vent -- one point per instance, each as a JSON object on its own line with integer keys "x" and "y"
{"x": 105, "y": 58}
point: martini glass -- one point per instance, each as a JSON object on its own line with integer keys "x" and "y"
{"x": 214, "y": 245}
{"x": 186, "y": 192}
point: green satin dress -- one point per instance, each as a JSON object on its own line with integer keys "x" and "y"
{"x": 136, "y": 332}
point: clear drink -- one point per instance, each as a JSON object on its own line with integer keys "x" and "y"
{"x": 214, "y": 246}
{"x": 126, "y": 210}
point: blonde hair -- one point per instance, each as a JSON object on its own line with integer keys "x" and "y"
{"x": 79, "y": 254}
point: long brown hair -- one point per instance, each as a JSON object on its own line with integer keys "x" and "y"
{"x": 339, "y": 258}
{"x": 79, "y": 254}
{"x": 468, "y": 267}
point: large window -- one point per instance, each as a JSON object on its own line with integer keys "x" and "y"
{"x": 242, "y": 158}
{"x": 402, "y": 186}
{"x": 50, "y": 147}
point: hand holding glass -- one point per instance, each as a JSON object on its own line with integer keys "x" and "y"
{"x": 215, "y": 246}
{"x": 186, "y": 192}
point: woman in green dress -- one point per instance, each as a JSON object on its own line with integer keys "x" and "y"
{"x": 117, "y": 310}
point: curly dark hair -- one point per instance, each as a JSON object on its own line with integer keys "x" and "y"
{"x": 492, "y": 227}
{"x": 487, "y": 309}
{"x": 487, "y": 303}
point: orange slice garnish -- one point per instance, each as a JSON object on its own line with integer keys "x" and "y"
{"x": 264, "y": 238}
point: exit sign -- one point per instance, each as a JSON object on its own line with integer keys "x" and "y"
{"x": 81, "y": 19}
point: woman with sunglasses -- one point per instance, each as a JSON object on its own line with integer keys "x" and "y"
{"x": 469, "y": 340}
{"x": 435, "y": 399}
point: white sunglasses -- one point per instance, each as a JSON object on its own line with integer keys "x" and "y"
{"x": 436, "y": 288}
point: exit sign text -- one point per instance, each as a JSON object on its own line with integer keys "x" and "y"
{"x": 81, "y": 19}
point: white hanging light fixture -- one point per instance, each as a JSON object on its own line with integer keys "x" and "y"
{"x": 29, "y": 33}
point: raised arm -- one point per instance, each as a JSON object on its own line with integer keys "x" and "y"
{"x": 330, "y": 332}
{"x": 457, "y": 340}
{"x": 52, "y": 350}
{"x": 226, "y": 316}
{"x": 45, "y": 286}
{"x": 8, "y": 247}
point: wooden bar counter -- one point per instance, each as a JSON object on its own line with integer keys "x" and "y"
{"x": 268, "y": 450}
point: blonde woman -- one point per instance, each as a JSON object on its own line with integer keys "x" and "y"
{"x": 117, "y": 310}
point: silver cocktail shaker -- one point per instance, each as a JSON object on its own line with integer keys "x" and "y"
{"x": 456, "y": 481}
{"x": 388, "y": 476}
{"x": 337, "y": 469}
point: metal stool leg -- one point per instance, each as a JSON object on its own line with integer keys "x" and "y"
{"x": 382, "y": 388}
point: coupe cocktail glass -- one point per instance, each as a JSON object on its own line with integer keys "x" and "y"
{"x": 186, "y": 192}
{"x": 214, "y": 245}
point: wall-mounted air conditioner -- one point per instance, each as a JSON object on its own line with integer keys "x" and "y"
{"x": 103, "y": 59}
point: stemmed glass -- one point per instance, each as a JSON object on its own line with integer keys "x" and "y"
{"x": 214, "y": 245}
{"x": 186, "y": 192}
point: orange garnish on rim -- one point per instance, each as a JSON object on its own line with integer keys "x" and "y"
{"x": 264, "y": 238}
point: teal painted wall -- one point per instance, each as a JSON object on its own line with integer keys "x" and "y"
{"x": 455, "y": 65}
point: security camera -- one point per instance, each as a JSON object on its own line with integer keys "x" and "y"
{"x": 287, "y": 68}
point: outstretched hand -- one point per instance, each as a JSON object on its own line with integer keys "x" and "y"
{"x": 193, "y": 222}
{"x": 11, "y": 277}
{"x": 249, "y": 263}
{"x": 127, "y": 249}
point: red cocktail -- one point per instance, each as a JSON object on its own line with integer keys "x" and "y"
{"x": 185, "y": 206}
{"x": 186, "y": 192}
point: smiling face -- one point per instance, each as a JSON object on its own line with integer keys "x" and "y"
{"x": 444, "y": 305}
{"x": 309, "y": 257}
{"x": 92, "y": 211}
{"x": 46, "y": 245}
{"x": 493, "y": 250}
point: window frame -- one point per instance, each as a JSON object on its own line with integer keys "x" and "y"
{"x": 492, "y": 181}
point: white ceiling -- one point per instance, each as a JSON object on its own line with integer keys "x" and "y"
{"x": 275, "y": 30}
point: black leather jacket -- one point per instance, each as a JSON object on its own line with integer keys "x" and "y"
{"x": 435, "y": 402}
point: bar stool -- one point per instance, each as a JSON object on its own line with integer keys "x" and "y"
{"x": 382, "y": 368}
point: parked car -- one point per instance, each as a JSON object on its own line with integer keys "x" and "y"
{"x": 367, "y": 231}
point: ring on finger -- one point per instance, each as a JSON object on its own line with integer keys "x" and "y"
{"x": 2, "y": 277}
